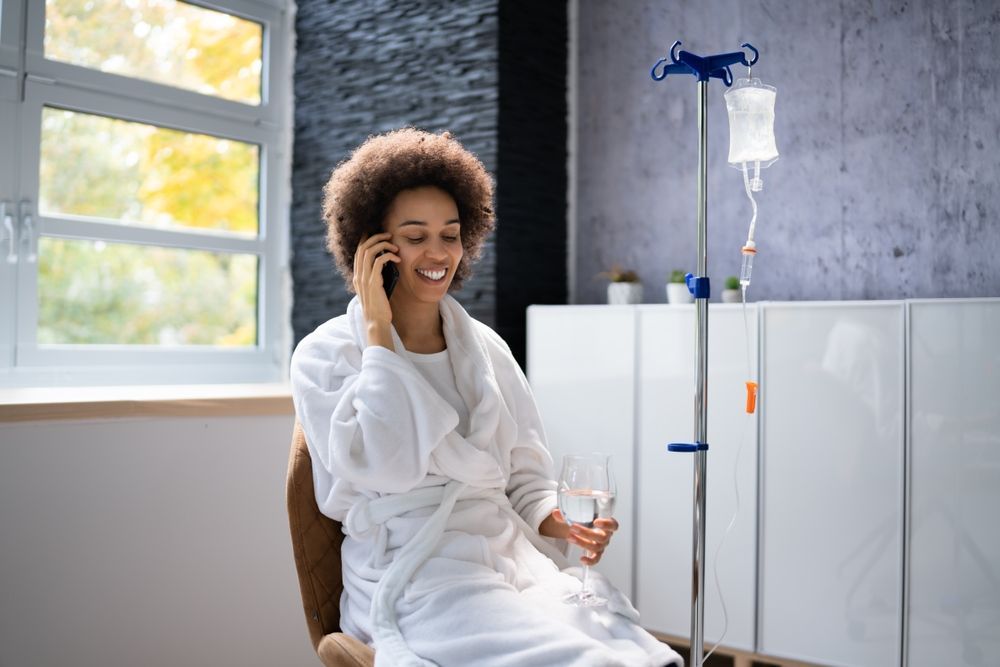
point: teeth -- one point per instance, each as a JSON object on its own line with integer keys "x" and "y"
{"x": 433, "y": 275}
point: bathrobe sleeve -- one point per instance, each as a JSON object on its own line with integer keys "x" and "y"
{"x": 531, "y": 487}
{"x": 370, "y": 419}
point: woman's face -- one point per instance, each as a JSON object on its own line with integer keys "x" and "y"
{"x": 424, "y": 224}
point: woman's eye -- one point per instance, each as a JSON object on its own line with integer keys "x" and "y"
{"x": 415, "y": 239}
{"x": 450, "y": 239}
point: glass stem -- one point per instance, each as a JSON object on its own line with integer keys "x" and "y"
{"x": 585, "y": 587}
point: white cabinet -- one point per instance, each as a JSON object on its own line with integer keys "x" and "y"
{"x": 665, "y": 480}
{"x": 831, "y": 508}
{"x": 620, "y": 379}
{"x": 954, "y": 543}
{"x": 581, "y": 363}
{"x": 876, "y": 452}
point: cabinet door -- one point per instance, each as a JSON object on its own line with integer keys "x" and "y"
{"x": 954, "y": 543}
{"x": 666, "y": 482}
{"x": 832, "y": 483}
{"x": 581, "y": 366}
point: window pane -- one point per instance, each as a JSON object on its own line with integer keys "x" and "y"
{"x": 142, "y": 174}
{"x": 165, "y": 41}
{"x": 93, "y": 292}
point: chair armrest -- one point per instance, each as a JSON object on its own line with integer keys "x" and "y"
{"x": 340, "y": 650}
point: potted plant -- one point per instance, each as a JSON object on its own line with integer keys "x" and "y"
{"x": 677, "y": 289}
{"x": 731, "y": 294}
{"x": 625, "y": 286}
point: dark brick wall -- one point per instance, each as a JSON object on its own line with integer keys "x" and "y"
{"x": 492, "y": 72}
{"x": 531, "y": 197}
{"x": 366, "y": 67}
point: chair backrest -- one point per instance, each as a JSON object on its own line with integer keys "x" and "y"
{"x": 316, "y": 540}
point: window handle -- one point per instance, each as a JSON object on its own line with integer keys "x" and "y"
{"x": 8, "y": 231}
{"x": 28, "y": 236}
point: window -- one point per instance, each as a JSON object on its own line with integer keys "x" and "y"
{"x": 143, "y": 211}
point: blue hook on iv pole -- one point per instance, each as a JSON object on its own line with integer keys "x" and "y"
{"x": 703, "y": 68}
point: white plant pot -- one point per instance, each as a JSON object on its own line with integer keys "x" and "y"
{"x": 731, "y": 296}
{"x": 678, "y": 293}
{"x": 624, "y": 293}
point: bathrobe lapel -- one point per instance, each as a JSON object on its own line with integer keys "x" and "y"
{"x": 473, "y": 459}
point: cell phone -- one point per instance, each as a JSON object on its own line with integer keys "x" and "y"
{"x": 390, "y": 276}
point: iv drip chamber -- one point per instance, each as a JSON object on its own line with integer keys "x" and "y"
{"x": 749, "y": 251}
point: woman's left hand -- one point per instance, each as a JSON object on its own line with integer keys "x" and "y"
{"x": 592, "y": 540}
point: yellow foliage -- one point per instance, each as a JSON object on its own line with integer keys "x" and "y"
{"x": 167, "y": 41}
{"x": 199, "y": 181}
{"x": 138, "y": 173}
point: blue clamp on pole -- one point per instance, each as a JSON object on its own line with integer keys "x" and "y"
{"x": 687, "y": 447}
{"x": 699, "y": 286}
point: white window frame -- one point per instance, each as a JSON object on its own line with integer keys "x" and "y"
{"x": 10, "y": 34}
{"x": 45, "y": 83}
{"x": 10, "y": 76}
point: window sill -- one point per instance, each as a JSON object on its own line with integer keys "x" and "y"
{"x": 77, "y": 403}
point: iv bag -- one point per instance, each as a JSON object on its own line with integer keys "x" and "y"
{"x": 751, "y": 124}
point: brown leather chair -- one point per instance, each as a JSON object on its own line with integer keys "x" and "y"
{"x": 316, "y": 540}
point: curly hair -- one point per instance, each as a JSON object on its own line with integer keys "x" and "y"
{"x": 362, "y": 187}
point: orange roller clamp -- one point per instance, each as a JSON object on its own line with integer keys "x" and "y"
{"x": 751, "y": 397}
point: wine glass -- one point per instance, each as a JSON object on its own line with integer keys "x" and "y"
{"x": 586, "y": 493}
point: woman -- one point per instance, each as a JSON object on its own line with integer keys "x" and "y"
{"x": 426, "y": 443}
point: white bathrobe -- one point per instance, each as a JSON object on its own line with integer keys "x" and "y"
{"x": 442, "y": 560}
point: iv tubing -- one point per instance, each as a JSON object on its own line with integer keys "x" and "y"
{"x": 725, "y": 535}
{"x": 736, "y": 490}
{"x": 753, "y": 202}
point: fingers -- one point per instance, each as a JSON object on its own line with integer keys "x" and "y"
{"x": 368, "y": 241}
{"x": 368, "y": 260}
{"x": 372, "y": 252}
{"x": 365, "y": 245}
{"x": 594, "y": 540}
{"x": 589, "y": 539}
{"x": 610, "y": 524}
{"x": 381, "y": 260}
{"x": 357, "y": 267}
{"x": 601, "y": 532}
{"x": 592, "y": 551}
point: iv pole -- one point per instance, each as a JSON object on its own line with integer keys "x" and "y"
{"x": 704, "y": 68}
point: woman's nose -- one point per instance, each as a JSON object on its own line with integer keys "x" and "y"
{"x": 437, "y": 250}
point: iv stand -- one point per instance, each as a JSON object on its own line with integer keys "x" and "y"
{"x": 704, "y": 68}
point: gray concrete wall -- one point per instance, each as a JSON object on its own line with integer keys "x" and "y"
{"x": 886, "y": 123}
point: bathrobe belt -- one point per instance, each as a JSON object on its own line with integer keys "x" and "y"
{"x": 369, "y": 515}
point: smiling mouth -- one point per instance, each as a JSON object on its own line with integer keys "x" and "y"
{"x": 434, "y": 276}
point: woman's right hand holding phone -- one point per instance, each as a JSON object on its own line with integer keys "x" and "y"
{"x": 372, "y": 254}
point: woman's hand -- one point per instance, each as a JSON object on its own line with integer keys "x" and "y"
{"x": 592, "y": 540}
{"x": 371, "y": 256}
